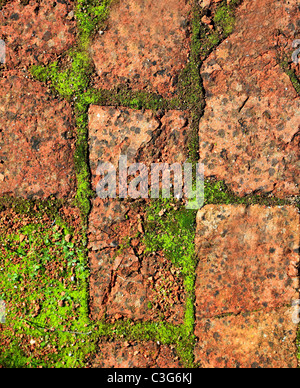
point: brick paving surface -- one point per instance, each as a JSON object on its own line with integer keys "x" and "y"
{"x": 249, "y": 340}
{"x": 247, "y": 271}
{"x": 36, "y": 33}
{"x": 248, "y": 258}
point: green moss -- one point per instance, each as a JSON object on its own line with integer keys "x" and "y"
{"x": 90, "y": 14}
{"x": 84, "y": 191}
{"x": 142, "y": 331}
{"x": 123, "y": 96}
{"x": 216, "y": 192}
{"x": 71, "y": 81}
{"x": 284, "y": 64}
{"x": 164, "y": 333}
{"x": 31, "y": 207}
{"x": 224, "y": 18}
{"x": 174, "y": 233}
{"x": 191, "y": 94}
{"x": 36, "y": 273}
{"x": 190, "y": 87}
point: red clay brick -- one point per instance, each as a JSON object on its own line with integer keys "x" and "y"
{"x": 135, "y": 355}
{"x": 248, "y": 258}
{"x": 36, "y": 140}
{"x": 250, "y": 340}
{"x": 249, "y": 134}
{"x": 38, "y": 32}
{"x": 145, "y": 45}
{"x": 124, "y": 281}
{"x": 140, "y": 135}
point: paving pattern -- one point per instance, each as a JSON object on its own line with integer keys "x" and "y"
{"x": 247, "y": 272}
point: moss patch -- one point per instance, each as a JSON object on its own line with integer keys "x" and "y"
{"x": 171, "y": 228}
{"x": 43, "y": 283}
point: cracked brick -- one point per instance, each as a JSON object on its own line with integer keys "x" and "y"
{"x": 249, "y": 134}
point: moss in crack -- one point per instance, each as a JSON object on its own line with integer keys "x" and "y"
{"x": 165, "y": 334}
{"x": 191, "y": 93}
{"x": 217, "y": 192}
{"x": 190, "y": 88}
{"x": 90, "y": 16}
{"x": 143, "y": 331}
{"x": 123, "y": 96}
{"x": 23, "y": 206}
{"x": 225, "y": 19}
{"x": 68, "y": 82}
{"x": 286, "y": 67}
{"x": 84, "y": 191}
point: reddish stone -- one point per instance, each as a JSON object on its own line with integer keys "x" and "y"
{"x": 145, "y": 45}
{"x": 248, "y": 258}
{"x": 36, "y": 146}
{"x": 35, "y": 33}
{"x": 170, "y": 144}
{"x": 125, "y": 282}
{"x": 253, "y": 340}
{"x": 207, "y": 3}
{"x": 115, "y": 132}
{"x": 249, "y": 134}
{"x": 140, "y": 135}
{"x": 104, "y": 216}
{"x": 135, "y": 355}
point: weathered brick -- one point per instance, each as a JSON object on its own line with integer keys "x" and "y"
{"x": 135, "y": 355}
{"x": 36, "y": 33}
{"x": 250, "y": 340}
{"x": 249, "y": 134}
{"x": 145, "y": 45}
{"x": 36, "y": 140}
{"x": 248, "y": 258}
